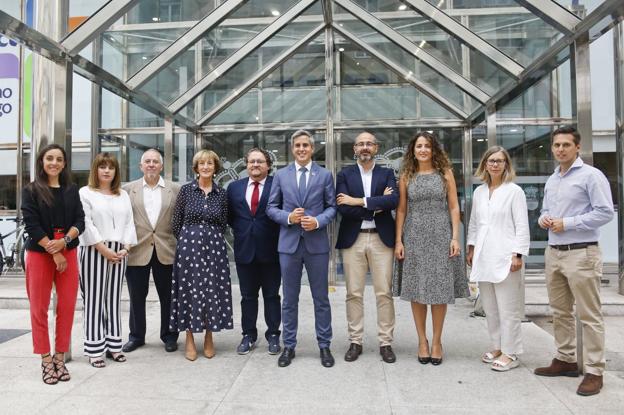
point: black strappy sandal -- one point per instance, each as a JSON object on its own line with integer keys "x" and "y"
{"x": 120, "y": 358}
{"x": 61, "y": 369}
{"x": 48, "y": 371}
{"x": 97, "y": 362}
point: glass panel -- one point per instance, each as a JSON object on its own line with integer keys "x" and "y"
{"x": 155, "y": 11}
{"x": 580, "y": 7}
{"x": 423, "y": 72}
{"x": 112, "y": 113}
{"x": 8, "y": 183}
{"x": 471, "y": 4}
{"x": 381, "y": 5}
{"x": 251, "y": 65}
{"x": 12, "y": 8}
{"x": 183, "y": 150}
{"x": 521, "y": 35}
{"x": 242, "y": 111}
{"x": 263, "y": 8}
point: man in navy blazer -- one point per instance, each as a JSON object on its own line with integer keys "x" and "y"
{"x": 366, "y": 196}
{"x": 303, "y": 203}
{"x": 255, "y": 250}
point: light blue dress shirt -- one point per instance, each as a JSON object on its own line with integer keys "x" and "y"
{"x": 582, "y": 197}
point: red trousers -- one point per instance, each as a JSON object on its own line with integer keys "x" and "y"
{"x": 41, "y": 273}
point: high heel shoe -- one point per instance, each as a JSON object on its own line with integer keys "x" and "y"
{"x": 426, "y": 359}
{"x": 436, "y": 361}
{"x": 190, "y": 351}
{"x": 209, "y": 350}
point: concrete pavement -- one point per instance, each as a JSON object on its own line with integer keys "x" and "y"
{"x": 153, "y": 381}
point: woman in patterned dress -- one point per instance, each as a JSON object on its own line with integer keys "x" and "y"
{"x": 427, "y": 231}
{"x": 201, "y": 293}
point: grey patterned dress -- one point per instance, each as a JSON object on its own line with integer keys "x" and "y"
{"x": 427, "y": 275}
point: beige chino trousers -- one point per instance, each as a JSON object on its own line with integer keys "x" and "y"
{"x": 369, "y": 253}
{"x": 574, "y": 276}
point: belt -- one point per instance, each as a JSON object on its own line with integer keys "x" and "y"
{"x": 368, "y": 230}
{"x": 569, "y": 247}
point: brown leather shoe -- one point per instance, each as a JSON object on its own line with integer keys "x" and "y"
{"x": 558, "y": 368}
{"x": 387, "y": 354}
{"x": 355, "y": 350}
{"x": 590, "y": 385}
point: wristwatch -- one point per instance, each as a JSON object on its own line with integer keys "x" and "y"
{"x": 67, "y": 239}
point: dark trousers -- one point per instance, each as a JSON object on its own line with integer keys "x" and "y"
{"x": 138, "y": 287}
{"x": 252, "y": 277}
{"x": 316, "y": 267}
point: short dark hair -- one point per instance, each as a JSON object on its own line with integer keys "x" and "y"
{"x": 266, "y": 154}
{"x": 568, "y": 129}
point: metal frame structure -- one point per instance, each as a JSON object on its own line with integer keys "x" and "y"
{"x": 618, "y": 46}
{"x": 552, "y": 13}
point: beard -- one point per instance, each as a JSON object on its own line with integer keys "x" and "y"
{"x": 364, "y": 157}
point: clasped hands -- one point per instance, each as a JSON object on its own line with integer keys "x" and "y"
{"x": 110, "y": 255}
{"x": 555, "y": 225}
{"x": 298, "y": 217}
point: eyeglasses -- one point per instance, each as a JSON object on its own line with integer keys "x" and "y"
{"x": 365, "y": 144}
{"x": 493, "y": 162}
{"x": 256, "y": 161}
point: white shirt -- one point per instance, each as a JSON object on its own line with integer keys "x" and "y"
{"x": 107, "y": 218}
{"x": 499, "y": 227}
{"x": 250, "y": 187}
{"x": 152, "y": 200}
{"x": 367, "y": 181}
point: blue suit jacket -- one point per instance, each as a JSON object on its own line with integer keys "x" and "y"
{"x": 255, "y": 237}
{"x": 319, "y": 201}
{"x": 349, "y": 182}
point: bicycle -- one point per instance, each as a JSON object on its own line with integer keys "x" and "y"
{"x": 15, "y": 258}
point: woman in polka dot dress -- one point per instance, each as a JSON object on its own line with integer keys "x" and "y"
{"x": 201, "y": 293}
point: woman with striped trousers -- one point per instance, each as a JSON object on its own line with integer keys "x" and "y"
{"x": 104, "y": 245}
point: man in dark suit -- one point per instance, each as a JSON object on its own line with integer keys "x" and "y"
{"x": 255, "y": 250}
{"x": 366, "y": 196}
{"x": 302, "y": 202}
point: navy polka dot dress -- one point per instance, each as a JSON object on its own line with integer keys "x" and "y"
{"x": 201, "y": 293}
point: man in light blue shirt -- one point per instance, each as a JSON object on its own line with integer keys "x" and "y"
{"x": 577, "y": 201}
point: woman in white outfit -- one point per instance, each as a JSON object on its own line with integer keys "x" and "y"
{"x": 498, "y": 238}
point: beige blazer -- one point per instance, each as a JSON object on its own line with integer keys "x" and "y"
{"x": 160, "y": 238}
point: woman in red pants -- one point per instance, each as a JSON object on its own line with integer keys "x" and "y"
{"x": 54, "y": 218}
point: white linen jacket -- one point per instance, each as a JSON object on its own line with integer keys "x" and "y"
{"x": 499, "y": 228}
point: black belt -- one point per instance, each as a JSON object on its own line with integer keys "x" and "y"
{"x": 569, "y": 247}
{"x": 369, "y": 230}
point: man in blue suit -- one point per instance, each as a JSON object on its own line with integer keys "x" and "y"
{"x": 366, "y": 196}
{"x": 255, "y": 250}
{"x": 303, "y": 203}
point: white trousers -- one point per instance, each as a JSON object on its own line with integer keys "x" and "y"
{"x": 503, "y": 312}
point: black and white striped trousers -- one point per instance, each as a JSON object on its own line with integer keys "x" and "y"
{"x": 100, "y": 286}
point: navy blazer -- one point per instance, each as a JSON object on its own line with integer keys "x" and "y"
{"x": 255, "y": 237}
{"x": 349, "y": 182}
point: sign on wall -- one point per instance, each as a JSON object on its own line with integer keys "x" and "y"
{"x": 9, "y": 90}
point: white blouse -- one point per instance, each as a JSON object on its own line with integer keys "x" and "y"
{"x": 499, "y": 227}
{"x": 107, "y": 218}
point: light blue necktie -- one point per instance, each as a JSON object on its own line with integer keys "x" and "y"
{"x": 302, "y": 183}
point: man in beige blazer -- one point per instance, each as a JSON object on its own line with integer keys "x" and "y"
{"x": 153, "y": 199}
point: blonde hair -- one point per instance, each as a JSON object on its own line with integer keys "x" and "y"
{"x": 509, "y": 174}
{"x": 206, "y": 155}
{"x": 105, "y": 159}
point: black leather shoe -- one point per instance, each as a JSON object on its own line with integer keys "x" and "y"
{"x": 286, "y": 357}
{"x": 355, "y": 350}
{"x": 131, "y": 346}
{"x": 171, "y": 346}
{"x": 327, "y": 359}
{"x": 387, "y": 354}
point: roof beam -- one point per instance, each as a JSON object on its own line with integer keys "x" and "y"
{"x": 328, "y": 14}
{"x": 597, "y": 23}
{"x": 185, "y": 41}
{"x": 552, "y": 13}
{"x": 466, "y": 36}
{"x": 416, "y": 51}
{"x": 96, "y": 24}
{"x": 404, "y": 73}
{"x": 239, "y": 55}
{"x": 258, "y": 77}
